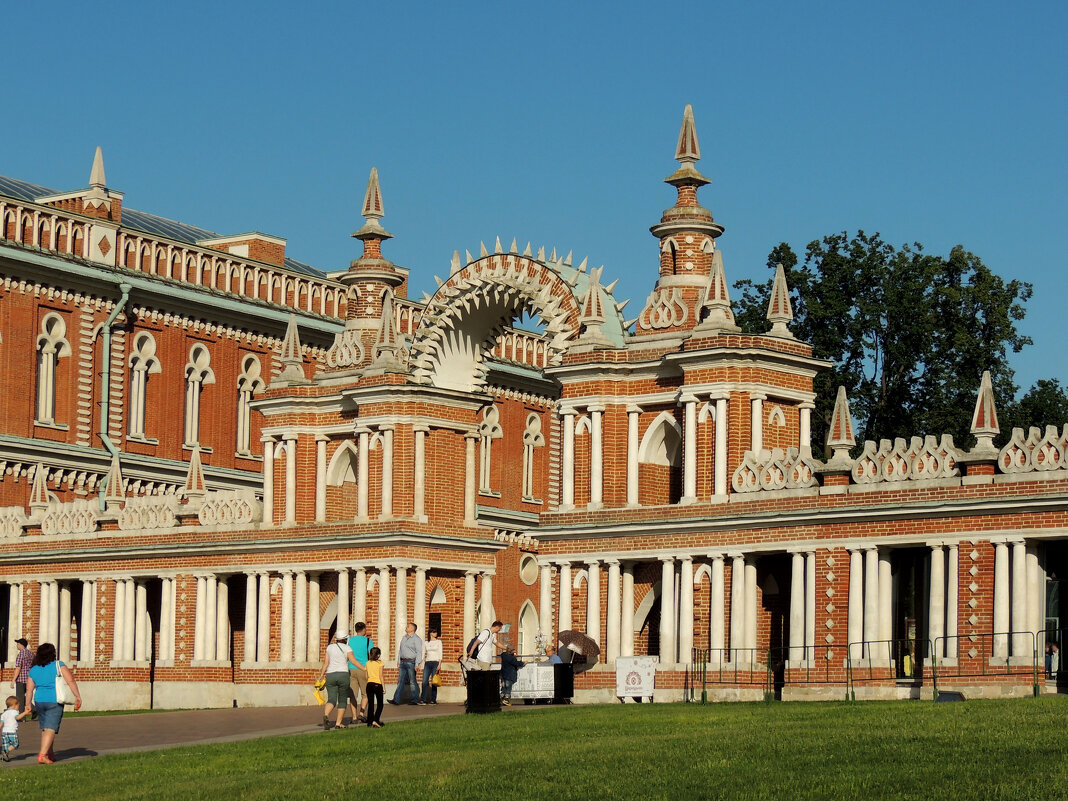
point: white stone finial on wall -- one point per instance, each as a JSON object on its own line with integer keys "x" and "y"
{"x": 985, "y": 417}
{"x": 780, "y": 310}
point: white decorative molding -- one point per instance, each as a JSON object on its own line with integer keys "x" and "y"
{"x": 12, "y": 521}
{"x": 918, "y": 460}
{"x": 148, "y": 512}
{"x": 230, "y": 508}
{"x": 1038, "y": 452}
{"x": 774, "y": 470}
{"x": 72, "y": 517}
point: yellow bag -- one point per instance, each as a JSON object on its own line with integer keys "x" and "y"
{"x": 435, "y": 680}
{"x": 318, "y": 696}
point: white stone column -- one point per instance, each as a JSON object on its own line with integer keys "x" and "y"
{"x": 596, "y": 456}
{"x": 250, "y": 617}
{"x": 400, "y": 611}
{"x": 952, "y": 594}
{"x": 810, "y": 606}
{"x": 86, "y": 625}
{"x": 470, "y": 466}
{"x": 129, "y": 629}
{"x": 593, "y": 602}
{"x": 419, "y": 603}
{"x": 667, "y": 611}
{"x": 855, "y": 625}
{"x": 716, "y": 626}
{"x": 720, "y": 459}
{"x": 1001, "y": 599}
{"x": 363, "y": 478}
{"x": 689, "y": 448}
{"x": 1036, "y": 612}
{"x": 737, "y": 606}
{"x": 686, "y": 611}
{"x": 268, "y": 481}
{"x": 141, "y": 624}
{"x": 387, "y": 474}
{"x": 886, "y": 607}
{"x": 871, "y": 599}
{"x": 797, "y": 607}
{"x": 291, "y": 479}
{"x": 211, "y": 619}
{"x": 263, "y": 621}
{"x": 612, "y": 614}
{"x": 805, "y": 425}
{"x": 64, "y": 623}
{"x": 567, "y": 468}
{"x": 359, "y": 593}
{"x": 626, "y": 623}
{"x": 419, "y": 478}
{"x": 545, "y": 600}
{"x": 751, "y": 609}
{"x": 1020, "y": 640}
{"x": 469, "y": 606}
{"x": 320, "y": 478}
{"x": 633, "y": 415}
{"x": 53, "y": 612}
{"x": 166, "y": 620}
{"x": 44, "y": 614}
{"x": 756, "y": 443}
{"x": 383, "y": 612}
{"x": 486, "y": 601}
{"x": 198, "y": 625}
{"x": 285, "y": 638}
{"x": 565, "y": 596}
{"x": 300, "y": 617}
{"x": 314, "y": 628}
{"x": 222, "y": 620}
{"x": 344, "y": 600}
{"x": 13, "y": 608}
{"x": 937, "y": 604}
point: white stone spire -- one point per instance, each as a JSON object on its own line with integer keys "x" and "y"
{"x": 292, "y": 360}
{"x": 96, "y": 175}
{"x": 780, "y": 310}
{"x": 985, "y": 417}
{"x": 718, "y": 315}
{"x": 840, "y": 437}
{"x": 688, "y": 150}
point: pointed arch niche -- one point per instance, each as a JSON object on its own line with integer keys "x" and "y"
{"x": 660, "y": 462}
{"x": 342, "y": 474}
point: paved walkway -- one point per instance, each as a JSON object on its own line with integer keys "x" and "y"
{"x": 88, "y": 736}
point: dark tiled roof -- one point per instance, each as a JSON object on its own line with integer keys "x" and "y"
{"x": 142, "y": 221}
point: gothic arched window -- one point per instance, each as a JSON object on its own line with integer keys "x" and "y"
{"x": 198, "y": 373}
{"x": 52, "y": 346}
{"x": 143, "y": 362}
{"x": 489, "y": 429}
{"x": 532, "y": 438}
{"x": 248, "y": 384}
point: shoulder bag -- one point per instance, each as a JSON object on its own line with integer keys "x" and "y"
{"x": 64, "y": 695}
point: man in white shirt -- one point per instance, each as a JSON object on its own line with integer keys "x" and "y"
{"x": 486, "y": 647}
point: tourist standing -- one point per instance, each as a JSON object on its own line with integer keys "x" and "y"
{"x": 433, "y": 655}
{"x": 510, "y": 665}
{"x": 41, "y": 693}
{"x": 485, "y": 649}
{"x": 361, "y": 646}
{"x": 336, "y": 662}
{"x": 375, "y": 692}
{"x": 409, "y": 655}
{"x": 23, "y": 663}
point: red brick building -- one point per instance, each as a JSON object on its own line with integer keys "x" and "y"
{"x": 213, "y": 455}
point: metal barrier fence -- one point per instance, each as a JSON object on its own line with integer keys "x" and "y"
{"x": 1012, "y": 653}
{"x": 716, "y": 666}
{"x": 875, "y": 661}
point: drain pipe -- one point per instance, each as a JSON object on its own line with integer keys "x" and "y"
{"x": 105, "y": 384}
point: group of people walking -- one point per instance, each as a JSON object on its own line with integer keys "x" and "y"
{"x": 352, "y": 675}
{"x": 43, "y": 686}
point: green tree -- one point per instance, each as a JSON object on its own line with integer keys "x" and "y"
{"x": 908, "y": 333}
{"x": 1045, "y": 404}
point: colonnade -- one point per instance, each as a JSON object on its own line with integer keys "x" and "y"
{"x": 381, "y": 438}
{"x": 74, "y": 635}
{"x": 715, "y": 408}
{"x": 1019, "y": 599}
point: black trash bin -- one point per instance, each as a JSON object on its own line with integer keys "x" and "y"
{"x": 483, "y": 691}
{"x": 563, "y": 683}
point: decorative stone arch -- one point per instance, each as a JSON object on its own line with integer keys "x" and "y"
{"x": 343, "y": 464}
{"x": 776, "y": 416}
{"x": 703, "y": 571}
{"x": 528, "y": 627}
{"x": 646, "y": 606}
{"x": 662, "y": 443}
{"x": 469, "y": 311}
{"x": 438, "y": 596}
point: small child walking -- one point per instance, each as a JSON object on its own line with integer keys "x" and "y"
{"x": 510, "y": 666}
{"x": 9, "y": 730}
{"x": 375, "y": 694}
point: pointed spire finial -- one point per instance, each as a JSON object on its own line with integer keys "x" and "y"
{"x": 688, "y": 150}
{"x": 372, "y": 200}
{"x": 718, "y": 315}
{"x": 114, "y": 492}
{"x": 985, "y": 417}
{"x": 96, "y": 175}
{"x": 592, "y": 315}
{"x": 195, "y": 488}
{"x": 292, "y": 360}
{"x": 39, "y": 491}
{"x": 840, "y": 436}
{"x": 780, "y": 310}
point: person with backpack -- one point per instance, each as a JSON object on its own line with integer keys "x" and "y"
{"x": 484, "y": 648}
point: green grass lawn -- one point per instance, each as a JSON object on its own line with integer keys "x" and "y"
{"x": 870, "y": 750}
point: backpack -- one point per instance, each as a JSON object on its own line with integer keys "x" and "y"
{"x": 471, "y": 645}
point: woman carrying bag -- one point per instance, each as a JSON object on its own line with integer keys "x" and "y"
{"x": 50, "y": 685}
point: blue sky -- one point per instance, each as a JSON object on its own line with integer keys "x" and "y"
{"x": 941, "y": 123}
